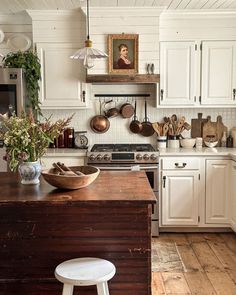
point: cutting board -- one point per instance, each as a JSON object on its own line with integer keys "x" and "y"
{"x": 221, "y": 128}
{"x": 197, "y": 126}
{"x": 209, "y": 128}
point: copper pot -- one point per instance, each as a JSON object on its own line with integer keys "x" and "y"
{"x": 100, "y": 123}
{"x": 127, "y": 110}
{"x": 112, "y": 112}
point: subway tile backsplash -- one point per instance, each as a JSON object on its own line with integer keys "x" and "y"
{"x": 119, "y": 128}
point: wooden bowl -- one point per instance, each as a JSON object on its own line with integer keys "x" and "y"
{"x": 71, "y": 182}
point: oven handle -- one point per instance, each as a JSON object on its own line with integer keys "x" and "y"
{"x": 131, "y": 168}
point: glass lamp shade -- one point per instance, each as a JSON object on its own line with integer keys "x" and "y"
{"x": 88, "y": 54}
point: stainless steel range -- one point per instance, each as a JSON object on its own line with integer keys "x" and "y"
{"x": 116, "y": 153}
{"x": 129, "y": 157}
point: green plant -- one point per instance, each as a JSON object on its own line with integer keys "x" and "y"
{"x": 29, "y": 62}
{"x": 27, "y": 140}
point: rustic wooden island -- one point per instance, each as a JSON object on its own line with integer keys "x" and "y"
{"x": 41, "y": 226}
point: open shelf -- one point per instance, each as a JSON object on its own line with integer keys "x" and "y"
{"x": 139, "y": 78}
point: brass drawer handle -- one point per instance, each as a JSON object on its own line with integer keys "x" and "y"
{"x": 179, "y": 166}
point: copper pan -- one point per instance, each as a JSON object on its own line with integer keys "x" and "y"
{"x": 135, "y": 126}
{"x": 100, "y": 123}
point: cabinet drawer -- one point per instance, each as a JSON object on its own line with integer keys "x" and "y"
{"x": 180, "y": 163}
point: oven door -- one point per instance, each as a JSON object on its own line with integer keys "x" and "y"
{"x": 150, "y": 170}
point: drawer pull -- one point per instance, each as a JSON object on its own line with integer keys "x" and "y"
{"x": 164, "y": 181}
{"x": 179, "y": 166}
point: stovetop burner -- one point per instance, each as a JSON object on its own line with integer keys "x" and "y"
{"x": 122, "y": 148}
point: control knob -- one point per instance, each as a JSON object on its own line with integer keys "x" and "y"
{"x": 146, "y": 157}
{"x": 99, "y": 157}
{"x": 153, "y": 157}
{"x": 139, "y": 157}
{"x": 92, "y": 157}
{"x": 106, "y": 157}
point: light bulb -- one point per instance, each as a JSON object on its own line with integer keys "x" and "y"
{"x": 88, "y": 62}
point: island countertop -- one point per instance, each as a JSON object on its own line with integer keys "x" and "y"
{"x": 110, "y": 186}
{"x": 41, "y": 226}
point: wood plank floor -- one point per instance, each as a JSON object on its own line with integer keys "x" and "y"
{"x": 209, "y": 264}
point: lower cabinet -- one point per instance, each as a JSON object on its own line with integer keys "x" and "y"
{"x": 233, "y": 196}
{"x": 180, "y": 197}
{"x": 218, "y": 191}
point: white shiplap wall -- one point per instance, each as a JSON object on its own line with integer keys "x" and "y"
{"x": 135, "y": 20}
{"x": 10, "y": 24}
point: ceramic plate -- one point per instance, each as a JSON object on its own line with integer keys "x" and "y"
{"x": 19, "y": 42}
{"x": 1, "y": 36}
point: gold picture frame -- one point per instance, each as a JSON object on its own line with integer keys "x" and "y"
{"x": 123, "y": 53}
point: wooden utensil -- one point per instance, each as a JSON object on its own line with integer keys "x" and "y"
{"x": 156, "y": 128}
{"x": 209, "y": 129}
{"x": 165, "y": 129}
{"x": 180, "y": 125}
{"x": 197, "y": 126}
{"x": 67, "y": 169}
{"x": 63, "y": 172}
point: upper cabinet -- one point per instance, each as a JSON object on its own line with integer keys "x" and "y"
{"x": 218, "y": 72}
{"x": 63, "y": 79}
{"x": 177, "y": 71}
{"x": 194, "y": 74}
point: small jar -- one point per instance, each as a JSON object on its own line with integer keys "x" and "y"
{"x": 60, "y": 141}
{"x": 173, "y": 141}
{"x": 69, "y": 137}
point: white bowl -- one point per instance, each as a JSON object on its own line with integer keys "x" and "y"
{"x": 210, "y": 144}
{"x": 187, "y": 142}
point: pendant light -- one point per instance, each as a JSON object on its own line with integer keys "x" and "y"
{"x": 88, "y": 53}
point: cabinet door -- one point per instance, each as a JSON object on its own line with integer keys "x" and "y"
{"x": 62, "y": 77}
{"x": 218, "y": 72}
{"x": 233, "y": 196}
{"x": 180, "y": 198}
{"x": 218, "y": 191}
{"x": 178, "y": 73}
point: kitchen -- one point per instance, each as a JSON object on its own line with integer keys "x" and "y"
{"x": 57, "y": 33}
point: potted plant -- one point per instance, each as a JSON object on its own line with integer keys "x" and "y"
{"x": 30, "y": 64}
{"x": 26, "y": 142}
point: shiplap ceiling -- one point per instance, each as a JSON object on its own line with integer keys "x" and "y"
{"x": 14, "y": 6}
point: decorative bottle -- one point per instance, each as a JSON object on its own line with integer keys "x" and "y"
{"x": 223, "y": 140}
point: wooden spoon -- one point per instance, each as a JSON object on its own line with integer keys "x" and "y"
{"x": 63, "y": 172}
{"x": 67, "y": 169}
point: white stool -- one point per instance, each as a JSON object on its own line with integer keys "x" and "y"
{"x": 86, "y": 271}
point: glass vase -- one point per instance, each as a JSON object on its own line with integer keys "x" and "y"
{"x": 30, "y": 172}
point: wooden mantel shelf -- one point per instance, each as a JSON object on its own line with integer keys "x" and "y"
{"x": 139, "y": 78}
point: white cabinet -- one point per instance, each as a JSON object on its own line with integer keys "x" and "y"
{"x": 218, "y": 72}
{"x": 63, "y": 79}
{"x": 233, "y": 196}
{"x": 178, "y": 73}
{"x": 218, "y": 191}
{"x": 179, "y": 191}
{"x": 198, "y": 75}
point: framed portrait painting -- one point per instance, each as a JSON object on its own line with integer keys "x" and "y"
{"x": 123, "y": 53}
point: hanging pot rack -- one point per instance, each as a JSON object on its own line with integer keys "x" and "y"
{"x": 123, "y": 95}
